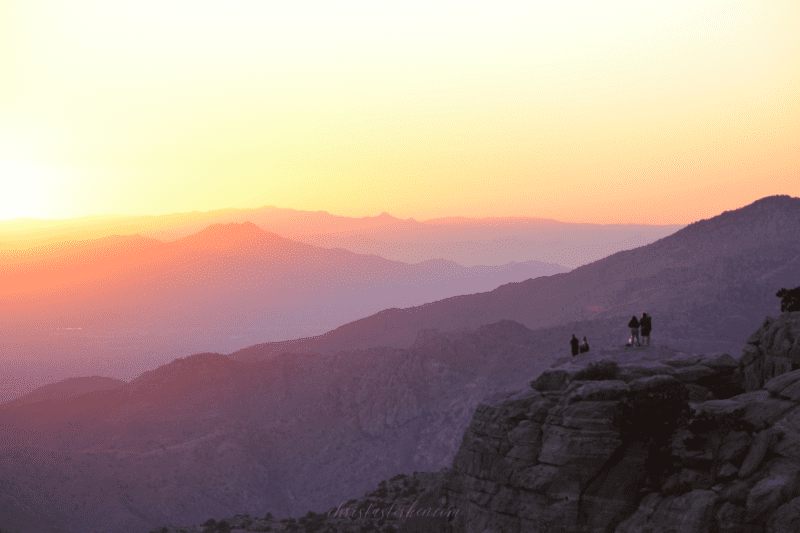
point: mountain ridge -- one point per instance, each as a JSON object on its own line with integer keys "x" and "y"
{"x": 219, "y": 290}
{"x": 602, "y": 289}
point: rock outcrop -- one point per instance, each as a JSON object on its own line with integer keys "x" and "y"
{"x": 772, "y": 350}
{"x": 637, "y": 440}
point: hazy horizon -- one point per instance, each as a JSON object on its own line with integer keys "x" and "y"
{"x": 614, "y": 112}
{"x": 342, "y": 215}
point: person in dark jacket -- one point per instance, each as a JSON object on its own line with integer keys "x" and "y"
{"x": 584, "y": 345}
{"x": 646, "y": 325}
{"x": 574, "y": 343}
{"x": 634, "y": 325}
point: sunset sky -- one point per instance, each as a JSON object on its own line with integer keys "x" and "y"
{"x": 583, "y": 111}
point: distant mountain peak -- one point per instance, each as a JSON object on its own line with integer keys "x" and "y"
{"x": 772, "y": 217}
{"x": 236, "y": 228}
{"x": 231, "y": 233}
{"x": 777, "y": 199}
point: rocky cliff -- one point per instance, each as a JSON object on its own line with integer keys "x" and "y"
{"x": 636, "y": 440}
{"x": 772, "y": 350}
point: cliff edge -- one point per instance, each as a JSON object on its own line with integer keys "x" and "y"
{"x": 636, "y": 440}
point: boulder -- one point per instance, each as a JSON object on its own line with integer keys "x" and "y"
{"x": 693, "y": 373}
{"x": 778, "y": 487}
{"x": 772, "y": 350}
{"x": 734, "y": 448}
{"x": 785, "y": 385}
{"x": 692, "y": 512}
{"x": 730, "y": 518}
{"x": 761, "y": 409}
{"x": 719, "y": 362}
{"x": 642, "y": 369}
{"x": 551, "y": 380}
{"x": 596, "y": 390}
{"x": 651, "y": 382}
{"x": 756, "y": 452}
{"x": 727, "y": 471}
{"x": 786, "y": 519}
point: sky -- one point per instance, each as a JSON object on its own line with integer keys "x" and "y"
{"x": 582, "y": 111}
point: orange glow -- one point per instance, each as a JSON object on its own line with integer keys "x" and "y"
{"x": 623, "y": 112}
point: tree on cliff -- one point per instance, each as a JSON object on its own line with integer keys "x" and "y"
{"x": 790, "y": 300}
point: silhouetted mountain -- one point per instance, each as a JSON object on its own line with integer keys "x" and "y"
{"x": 467, "y": 241}
{"x": 212, "y": 436}
{"x": 222, "y": 288}
{"x": 26, "y": 233}
{"x": 703, "y": 285}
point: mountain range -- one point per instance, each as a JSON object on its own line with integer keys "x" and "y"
{"x": 125, "y": 304}
{"x": 467, "y": 241}
{"x": 704, "y": 285}
{"x": 269, "y": 429}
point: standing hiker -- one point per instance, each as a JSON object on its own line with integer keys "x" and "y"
{"x": 584, "y": 345}
{"x": 646, "y": 325}
{"x": 574, "y": 343}
{"x": 634, "y": 325}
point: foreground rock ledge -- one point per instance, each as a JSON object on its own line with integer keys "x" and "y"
{"x": 637, "y": 440}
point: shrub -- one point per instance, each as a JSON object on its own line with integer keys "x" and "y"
{"x": 407, "y": 492}
{"x": 382, "y": 492}
{"x": 599, "y": 371}
{"x": 790, "y": 299}
{"x": 312, "y": 527}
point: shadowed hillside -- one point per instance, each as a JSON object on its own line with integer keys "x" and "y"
{"x": 123, "y": 304}
{"x": 620, "y": 440}
{"x": 703, "y": 285}
{"x": 207, "y": 435}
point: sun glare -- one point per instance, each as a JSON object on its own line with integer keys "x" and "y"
{"x": 20, "y": 190}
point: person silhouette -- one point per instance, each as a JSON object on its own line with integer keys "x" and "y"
{"x": 574, "y": 344}
{"x": 584, "y": 345}
{"x": 646, "y": 325}
{"x": 634, "y": 325}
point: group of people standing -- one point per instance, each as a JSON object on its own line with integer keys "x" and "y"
{"x": 578, "y": 347}
{"x": 645, "y": 324}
